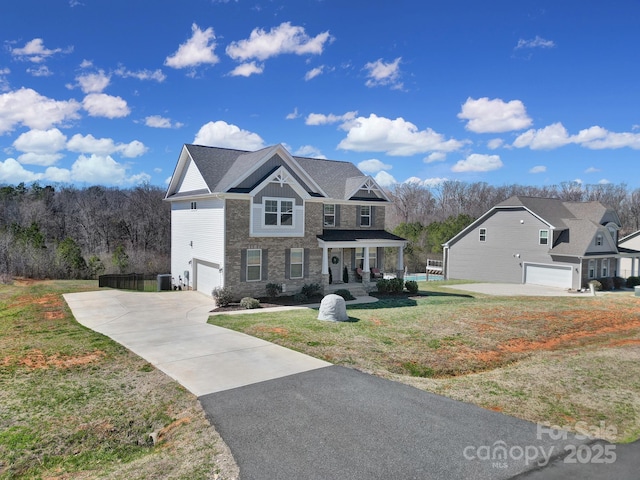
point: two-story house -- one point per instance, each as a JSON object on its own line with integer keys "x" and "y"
{"x": 543, "y": 241}
{"x": 241, "y": 220}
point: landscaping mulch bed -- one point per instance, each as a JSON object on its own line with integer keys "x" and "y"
{"x": 265, "y": 302}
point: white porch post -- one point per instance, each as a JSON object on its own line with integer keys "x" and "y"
{"x": 400, "y": 265}
{"x": 633, "y": 266}
{"x": 365, "y": 261}
{"x": 325, "y": 260}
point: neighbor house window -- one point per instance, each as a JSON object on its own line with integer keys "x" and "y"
{"x": 296, "y": 263}
{"x": 605, "y": 268}
{"x": 254, "y": 265}
{"x": 592, "y": 269}
{"x": 483, "y": 234}
{"x": 330, "y": 215}
{"x": 544, "y": 237}
{"x": 599, "y": 239}
{"x": 365, "y": 215}
{"x": 194, "y": 205}
{"x": 278, "y": 212}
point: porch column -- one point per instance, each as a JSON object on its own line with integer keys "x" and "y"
{"x": 400, "y": 265}
{"x": 325, "y": 260}
{"x": 365, "y": 262}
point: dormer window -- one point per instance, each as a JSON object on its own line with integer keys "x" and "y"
{"x": 278, "y": 212}
{"x": 599, "y": 240}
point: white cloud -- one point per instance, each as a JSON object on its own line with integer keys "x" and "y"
{"x": 100, "y": 170}
{"x": 385, "y": 179}
{"x": 322, "y": 119}
{"x": 155, "y": 75}
{"x": 293, "y": 115}
{"x": 93, "y": 82}
{"x": 40, "y": 146}
{"x": 373, "y": 165}
{"x": 309, "y": 151}
{"x": 435, "y": 157}
{"x": 538, "y": 169}
{"x": 395, "y": 137}
{"x": 603, "y": 181}
{"x": 198, "y": 50}
{"x": 594, "y": 138}
{"x": 12, "y": 172}
{"x": 381, "y": 73}
{"x": 156, "y": 121}
{"x": 537, "y": 42}
{"x": 247, "y": 69}
{"x": 432, "y": 182}
{"x": 282, "y": 39}
{"x": 4, "y": 83}
{"x": 547, "y": 138}
{"x": 55, "y": 174}
{"x": 104, "y": 146}
{"x": 494, "y": 116}
{"x": 35, "y": 51}
{"x": 222, "y": 134}
{"x": 495, "y": 143}
{"x": 592, "y": 170}
{"x": 478, "y": 163}
{"x": 103, "y": 105}
{"x": 313, "y": 73}
{"x": 40, "y": 71}
{"x": 29, "y": 108}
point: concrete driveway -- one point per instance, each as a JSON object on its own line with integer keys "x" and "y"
{"x": 515, "y": 289}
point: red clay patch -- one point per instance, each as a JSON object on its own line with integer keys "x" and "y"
{"x": 36, "y": 359}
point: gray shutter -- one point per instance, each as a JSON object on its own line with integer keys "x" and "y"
{"x": 265, "y": 264}
{"x": 243, "y": 265}
{"x": 381, "y": 258}
{"x": 358, "y": 216}
{"x": 305, "y": 263}
{"x": 373, "y": 216}
{"x": 287, "y": 263}
{"x": 337, "y": 212}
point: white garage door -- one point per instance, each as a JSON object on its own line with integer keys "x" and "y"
{"x": 549, "y": 275}
{"x": 207, "y": 278}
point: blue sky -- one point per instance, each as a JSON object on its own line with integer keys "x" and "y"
{"x": 525, "y": 92}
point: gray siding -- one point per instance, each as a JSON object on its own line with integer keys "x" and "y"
{"x": 264, "y": 170}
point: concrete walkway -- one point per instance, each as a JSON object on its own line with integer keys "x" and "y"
{"x": 169, "y": 330}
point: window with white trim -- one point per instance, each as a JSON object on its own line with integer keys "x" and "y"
{"x": 482, "y": 234}
{"x": 296, "y": 262}
{"x": 543, "y": 237}
{"x": 599, "y": 239}
{"x": 278, "y": 212}
{"x": 254, "y": 265}
{"x": 592, "y": 269}
{"x": 373, "y": 257}
{"x": 605, "y": 268}
{"x": 329, "y": 215}
{"x": 365, "y": 215}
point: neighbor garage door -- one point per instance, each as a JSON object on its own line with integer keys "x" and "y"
{"x": 549, "y": 275}
{"x": 207, "y": 277}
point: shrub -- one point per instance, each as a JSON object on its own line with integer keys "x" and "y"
{"x": 618, "y": 282}
{"x": 383, "y": 286}
{"x": 311, "y": 289}
{"x": 222, "y": 296}
{"x": 607, "y": 283}
{"x": 273, "y": 290}
{"x": 411, "y": 286}
{"x": 300, "y": 298}
{"x": 249, "y": 303}
{"x": 396, "y": 286}
{"x": 330, "y": 276}
{"x": 633, "y": 282}
{"x": 345, "y": 275}
{"x": 344, "y": 293}
{"x": 596, "y": 285}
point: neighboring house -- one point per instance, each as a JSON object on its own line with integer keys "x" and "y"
{"x": 241, "y": 220}
{"x": 541, "y": 241}
{"x": 629, "y": 246}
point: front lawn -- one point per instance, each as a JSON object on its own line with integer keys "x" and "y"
{"x": 564, "y": 360}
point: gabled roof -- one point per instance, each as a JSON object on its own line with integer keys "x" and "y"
{"x": 578, "y": 222}
{"x": 225, "y": 169}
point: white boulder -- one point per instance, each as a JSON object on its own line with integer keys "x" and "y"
{"x": 333, "y": 309}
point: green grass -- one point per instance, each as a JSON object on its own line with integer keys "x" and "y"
{"x": 73, "y": 402}
{"x": 503, "y": 353}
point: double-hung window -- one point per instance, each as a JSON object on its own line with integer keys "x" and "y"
{"x": 605, "y": 267}
{"x": 592, "y": 269}
{"x": 599, "y": 239}
{"x": 296, "y": 269}
{"x": 365, "y": 215}
{"x": 482, "y": 235}
{"x": 329, "y": 215}
{"x": 278, "y": 212}
{"x": 543, "y": 237}
{"x": 254, "y": 265}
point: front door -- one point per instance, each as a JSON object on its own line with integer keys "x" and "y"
{"x": 335, "y": 264}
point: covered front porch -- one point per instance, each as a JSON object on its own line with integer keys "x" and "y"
{"x": 357, "y": 256}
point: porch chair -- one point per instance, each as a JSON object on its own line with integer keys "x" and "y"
{"x": 376, "y": 273}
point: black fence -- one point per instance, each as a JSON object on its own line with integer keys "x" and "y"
{"x": 130, "y": 281}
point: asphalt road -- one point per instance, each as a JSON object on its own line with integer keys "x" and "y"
{"x": 338, "y": 423}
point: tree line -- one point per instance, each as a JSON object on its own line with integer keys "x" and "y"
{"x": 71, "y": 232}
{"x": 429, "y": 216}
